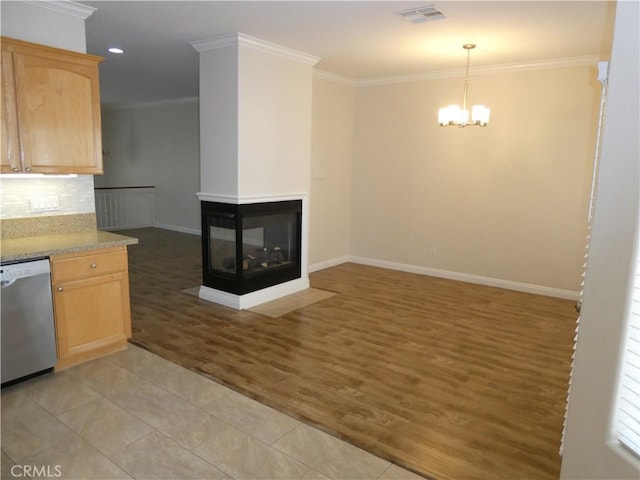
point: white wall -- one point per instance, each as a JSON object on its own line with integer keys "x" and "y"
{"x": 33, "y": 23}
{"x": 589, "y": 451}
{"x": 274, "y": 124}
{"x": 506, "y": 202}
{"x": 219, "y": 121}
{"x": 332, "y": 150}
{"x": 255, "y": 117}
{"x": 156, "y": 145}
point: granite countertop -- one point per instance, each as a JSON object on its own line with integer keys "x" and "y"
{"x": 24, "y": 248}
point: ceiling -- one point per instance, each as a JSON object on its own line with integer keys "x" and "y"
{"x": 355, "y": 39}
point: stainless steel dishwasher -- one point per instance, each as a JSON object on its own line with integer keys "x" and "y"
{"x": 28, "y": 333}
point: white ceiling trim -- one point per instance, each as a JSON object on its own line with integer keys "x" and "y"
{"x": 62, "y": 6}
{"x": 242, "y": 40}
{"x": 334, "y": 77}
{"x": 486, "y": 70}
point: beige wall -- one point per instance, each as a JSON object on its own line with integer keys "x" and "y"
{"x": 331, "y": 153}
{"x": 506, "y": 202}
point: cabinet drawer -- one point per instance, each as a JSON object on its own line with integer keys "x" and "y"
{"x": 88, "y": 264}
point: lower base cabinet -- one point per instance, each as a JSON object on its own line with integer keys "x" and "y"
{"x": 91, "y": 304}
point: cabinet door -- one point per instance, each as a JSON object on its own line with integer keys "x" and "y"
{"x": 58, "y": 105}
{"x": 10, "y": 159}
{"x": 92, "y": 315}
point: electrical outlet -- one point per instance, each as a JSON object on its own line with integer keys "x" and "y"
{"x": 45, "y": 203}
{"x": 434, "y": 253}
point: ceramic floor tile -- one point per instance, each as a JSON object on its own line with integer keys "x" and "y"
{"x": 251, "y": 416}
{"x": 194, "y": 388}
{"x": 90, "y": 369}
{"x": 313, "y": 475}
{"x": 143, "y": 363}
{"x": 329, "y": 455}
{"x": 156, "y": 456}
{"x": 193, "y": 434}
{"x": 28, "y": 428}
{"x": 395, "y": 472}
{"x": 75, "y": 460}
{"x": 244, "y": 457}
{"x": 108, "y": 412}
{"x": 59, "y": 392}
{"x": 12, "y": 403}
{"x": 5, "y": 467}
{"x": 117, "y": 381}
{"x": 163, "y": 413}
{"x": 104, "y": 425}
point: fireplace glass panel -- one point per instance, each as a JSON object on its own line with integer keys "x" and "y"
{"x": 223, "y": 249}
{"x": 268, "y": 242}
{"x": 251, "y": 246}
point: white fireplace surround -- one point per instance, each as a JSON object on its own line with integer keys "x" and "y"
{"x": 255, "y": 139}
{"x": 241, "y": 302}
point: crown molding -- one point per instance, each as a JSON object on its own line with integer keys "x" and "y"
{"x": 67, "y": 7}
{"x": 352, "y": 82}
{"x": 485, "y": 70}
{"x": 220, "y": 41}
{"x": 334, "y": 77}
{"x": 242, "y": 40}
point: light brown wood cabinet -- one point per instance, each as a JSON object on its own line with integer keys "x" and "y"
{"x": 91, "y": 304}
{"x": 50, "y": 110}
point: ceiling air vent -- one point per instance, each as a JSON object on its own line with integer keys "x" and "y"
{"x": 429, "y": 13}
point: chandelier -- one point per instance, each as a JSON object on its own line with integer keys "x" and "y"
{"x": 456, "y": 116}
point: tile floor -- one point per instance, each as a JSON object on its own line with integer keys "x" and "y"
{"x": 136, "y": 415}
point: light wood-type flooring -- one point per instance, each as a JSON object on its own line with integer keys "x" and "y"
{"x": 448, "y": 379}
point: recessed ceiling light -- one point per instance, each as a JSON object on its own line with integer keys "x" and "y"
{"x": 115, "y": 50}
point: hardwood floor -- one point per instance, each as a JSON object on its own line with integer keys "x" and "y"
{"x": 448, "y": 379}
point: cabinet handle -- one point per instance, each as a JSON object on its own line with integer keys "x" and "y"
{"x": 93, "y": 265}
{"x": 16, "y": 169}
{"x": 60, "y": 289}
{"x": 28, "y": 169}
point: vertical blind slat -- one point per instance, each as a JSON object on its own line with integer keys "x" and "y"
{"x": 627, "y": 425}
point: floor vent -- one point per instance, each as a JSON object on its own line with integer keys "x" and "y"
{"x": 429, "y": 13}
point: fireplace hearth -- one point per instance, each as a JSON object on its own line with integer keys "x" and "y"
{"x": 249, "y": 247}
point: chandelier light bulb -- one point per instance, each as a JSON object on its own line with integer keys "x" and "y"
{"x": 454, "y": 115}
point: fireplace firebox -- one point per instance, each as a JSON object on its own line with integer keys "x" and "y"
{"x": 249, "y": 247}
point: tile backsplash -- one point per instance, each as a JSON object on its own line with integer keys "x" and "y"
{"x": 46, "y": 195}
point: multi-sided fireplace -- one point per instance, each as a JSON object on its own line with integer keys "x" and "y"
{"x": 249, "y": 247}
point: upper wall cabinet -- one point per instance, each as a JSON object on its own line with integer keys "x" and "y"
{"x": 50, "y": 110}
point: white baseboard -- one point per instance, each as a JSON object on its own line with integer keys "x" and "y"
{"x": 126, "y": 227}
{"x": 466, "y": 277}
{"x": 174, "y": 228}
{"x": 241, "y": 302}
{"x": 328, "y": 263}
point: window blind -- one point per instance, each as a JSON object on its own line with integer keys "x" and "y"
{"x": 603, "y": 78}
{"x": 628, "y": 405}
